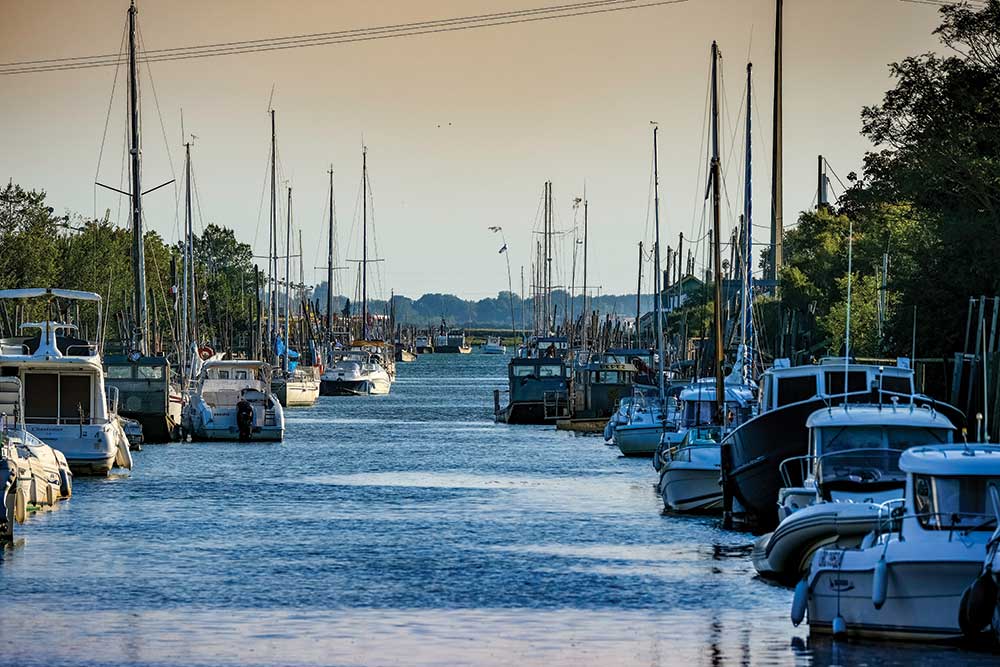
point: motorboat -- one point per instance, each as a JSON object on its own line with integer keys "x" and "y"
{"x": 907, "y": 579}
{"x": 299, "y": 387}
{"x": 538, "y": 381}
{"x": 66, "y": 404}
{"x": 689, "y": 457}
{"x": 32, "y": 474}
{"x": 647, "y": 420}
{"x": 618, "y": 417}
{"x": 146, "y": 393}
{"x": 359, "y": 371}
{"x": 233, "y": 401}
{"x": 833, "y": 495}
{"x": 452, "y": 342}
{"x": 753, "y": 452}
{"x": 493, "y": 345}
{"x": 423, "y": 344}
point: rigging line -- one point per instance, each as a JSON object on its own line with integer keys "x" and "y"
{"x": 377, "y": 35}
{"x": 107, "y": 120}
{"x": 699, "y": 199}
{"x": 260, "y": 206}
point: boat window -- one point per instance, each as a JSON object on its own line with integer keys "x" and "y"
{"x": 795, "y": 389}
{"x": 841, "y": 438}
{"x": 223, "y": 375}
{"x": 41, "y": 398}
{"x": 241, "y": 375}
{"x": 903, "y": 438}
{"x": 549, "y": 371}
{"x": 897, "y": 384}
{"x": 857, "y": 381}
{"x": 8, "y": 371}
{"x": 74, "y": 398}
{"x": 150, "y": 372}
{"x": 523, "y": 371}
{"x": 119, "y": 372}
{"x": 954, "y": 503}
{"x": 698, "y": 412}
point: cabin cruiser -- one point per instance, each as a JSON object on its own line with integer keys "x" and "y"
{"x": 493, "y": 345}
{"x": 66, "y": 405}
{"x": 32, "y": 474}
{"x": 538, "y": 380}
{"x": 233, "y": 401}
{"x": 645, "y": 423}
{"x": 146, "y": 393}
{"x": 907, "y": 578}
{"x": 360, "y": 371}
{"x": 752, "y": 453}
{"x": 689, "y": 458}
{"x": 833, "y": 495}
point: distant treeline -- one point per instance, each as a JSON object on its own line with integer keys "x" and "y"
{"x": 430, "y": 309}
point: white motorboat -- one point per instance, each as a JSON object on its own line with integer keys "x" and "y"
{"x": 646, "y": 421}
{"x": 833, "y": 495}
{"x": 32, "y": 474}
{"x": 358, "y": 372}
{"x": 233, "y": 401}
{"x": 493, "y": 345}
{"x": 66, "y": 405}
{"x": 618, "y": 417}
{"x": 908, "y": 577}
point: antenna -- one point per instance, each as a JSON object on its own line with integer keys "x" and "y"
{"x": 986, "y": 401}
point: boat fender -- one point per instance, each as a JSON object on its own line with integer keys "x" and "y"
{"x": 65, "y": 482}
{"x": 21, "y": 504}
{"x": 608, "y": 431}
{"x": 880, "y": 583}
{"x": 839, "y": 627}
{"x": 975, "y": 611}
{"x": 799, "y": 601}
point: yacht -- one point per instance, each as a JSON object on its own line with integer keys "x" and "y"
{"x": 66, "y": 405}
{"x": 213, "y": 412}
{"x": 752, "y": 453}
{"x": 298, "y": 387}
{"x": 493, "y": 345}
{"x": 833, "y": 494}
{"x": 360, "y": 371}
{"x": 31, "y": 472}
{"x": 907, "y": 578}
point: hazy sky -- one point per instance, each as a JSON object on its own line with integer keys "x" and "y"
{"x": 462, "y": 128}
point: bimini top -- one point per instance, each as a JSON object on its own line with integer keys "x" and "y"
{"x": 952, "y": 460}
{"x": 33, "y": 292}
{"x": 703, "y": 389}
{"x": 852, "y": 414}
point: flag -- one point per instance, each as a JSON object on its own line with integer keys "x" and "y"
{"x": 503, "y": 249}
{"x": 494, "y": 229}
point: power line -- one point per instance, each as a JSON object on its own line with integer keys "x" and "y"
{"x": 454, "y": 24}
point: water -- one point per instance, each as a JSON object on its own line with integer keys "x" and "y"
{"x": 406, "y": 529}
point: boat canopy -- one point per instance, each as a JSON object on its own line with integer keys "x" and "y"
{"x": 873, "y": 415}
{"x": 33, "y": 292}
{"x": 975, "y": 460}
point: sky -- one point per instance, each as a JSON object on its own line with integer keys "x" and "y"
{"x": 462, "y": 128}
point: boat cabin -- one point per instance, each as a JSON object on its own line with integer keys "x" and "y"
{"x": 784, "y": 384}
{"x": 697, "y": 405}
{"x": 951, "y": 488}
{"x": 142, "y": 382}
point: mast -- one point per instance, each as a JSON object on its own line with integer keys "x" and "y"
{"x": 329, "y": 267}
{"x": 140, "y": 330}
{"x": 656, "y": 267}
{"x": 746, "y": 323}
{"x": 777, "y": 224}
{"x": 586, "y": 286}
{"x": 364, "y": 243}
{"x": 638, "y": 300}
{"x": 288, "y": 283}
{"x": 187, "y": 252}
{"x": 272, "y": 260}
{"x": 720, "y": 384}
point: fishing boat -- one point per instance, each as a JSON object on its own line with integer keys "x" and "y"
{"x": 423, "y": 344}
{"x": 147, "y": 393}
{"x": 451, "y": 342}
{"x": 833, "y": 494}
{"x": 752, "y": 454}
{"x": 907, "y": 579}
{"x": 66, "y": 405}
{"x": 233, "y": 401}
{"x": 32, "y": 474}
{"x": 493, "y": 345}
{"x": 596, "y": 389}
{"x": 359, "y": 371}
{"x": 538, "y": 384}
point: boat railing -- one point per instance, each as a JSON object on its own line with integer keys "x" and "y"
{"x": 113, "y": 396}
{"x": 89, "y": 350}
{"x": 795, "y": 470}
{"x": 890, "y": 517}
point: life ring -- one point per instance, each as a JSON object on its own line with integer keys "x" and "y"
{"x": 206, "y": 352}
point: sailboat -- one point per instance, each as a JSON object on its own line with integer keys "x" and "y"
{"x": 142, "y": 375}
{"x": 367, "y": 367}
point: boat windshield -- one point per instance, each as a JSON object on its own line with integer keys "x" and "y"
{"x": 843, "y": 438}
{"x": 697, "y": 413}
{"x": 954, "y": 503}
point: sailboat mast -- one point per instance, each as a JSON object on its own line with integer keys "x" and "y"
{"x": 364, "y": 244}
{"x": 272, "y": 260}
{"x": 720, "y": 385}
{"x": 656, "y": 267}
{"x": 777, "y": 223}
{"x": 288, "y": 283}
{"x": 586, "y": 287}
{"x": 187, "y": 253}
{"x": 638, "y": 300}
{"x": 746, "y": 323}
{"x": 329, "y": 267}
{"x": 140, "y": 330}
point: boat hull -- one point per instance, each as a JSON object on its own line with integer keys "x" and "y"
{"x": 366, "y": 387}
{"x": 296, "y": 393}
{"x": 690, "y": 487}
{"x": 641, "y": 440}
{"x": 90, "y": 449}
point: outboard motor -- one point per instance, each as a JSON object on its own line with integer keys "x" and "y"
{"x": 244, "y": 419}
{"x": 8, "y": 484}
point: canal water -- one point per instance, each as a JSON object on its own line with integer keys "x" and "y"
{"x": 398, "y": 530}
